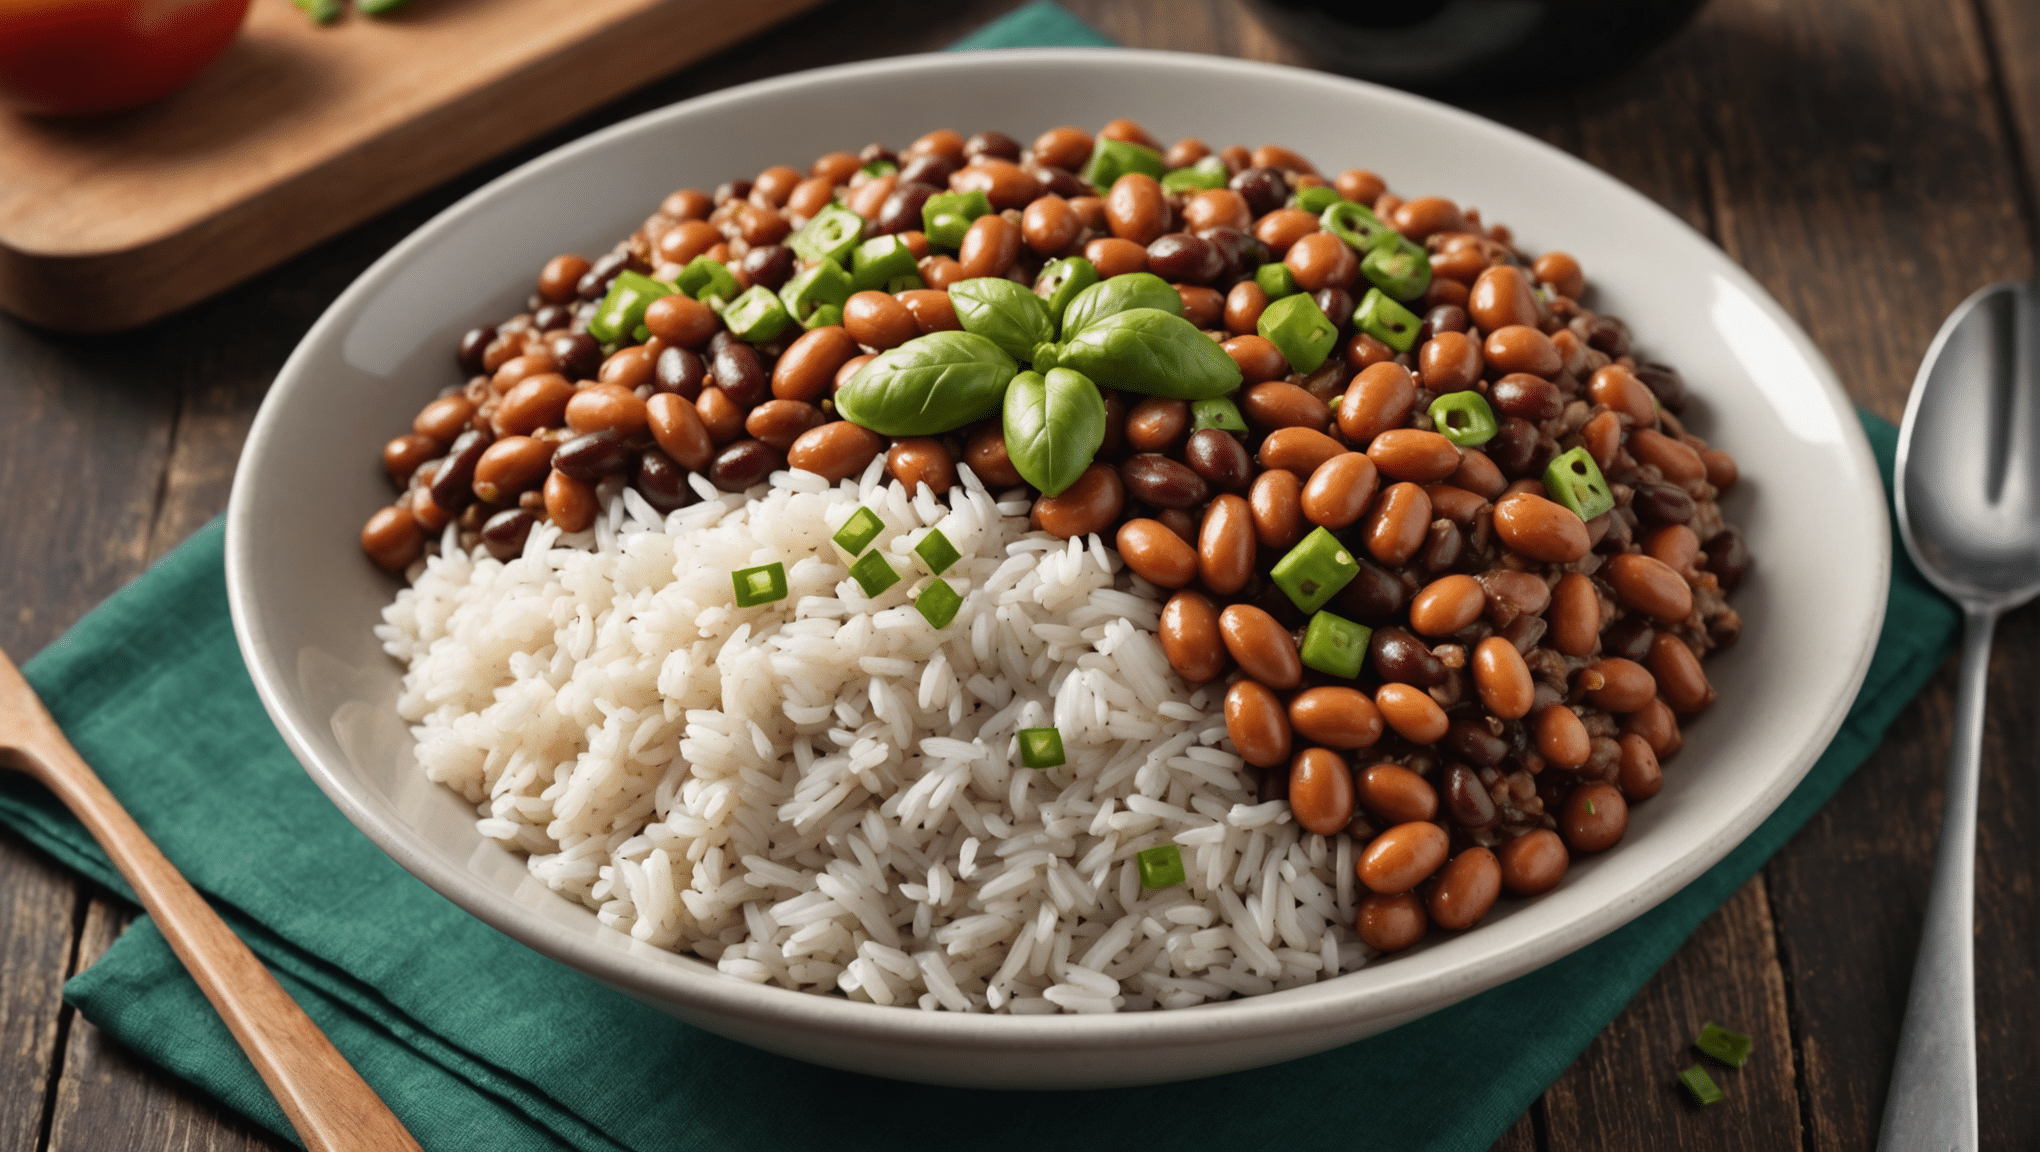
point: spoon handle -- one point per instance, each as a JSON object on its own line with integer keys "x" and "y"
{"x": 330, "y": 1106}
{"x": 1932, "y": 1103}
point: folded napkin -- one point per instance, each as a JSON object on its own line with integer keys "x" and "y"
{"x": 480, "y": 1043}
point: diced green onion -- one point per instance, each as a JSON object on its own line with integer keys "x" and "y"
{"x": 1111, "y": 159}
{"x": 1464, "y": 418}
{"x": 938, "y": 604}
{"x": 1209, "y": 172}
{"x": 756, "y": 316}
{"x": 878, "y": 168}
{"x": 858, "y": 531}
{"x": 1701, "y": 1085}
{"x": 1220, "y": 413}
{"x": 822, "y": 285}
{"x": 1358, "y": 226}
{"x": 873, "y": 574}
{"x": 703, "y": 278}
{"x": 1300, "y": 330}
{"x": 1061, "y": 280}
{"x": 1731, "y": 1048}
{"x": 1315, "y": 570}
{"x": 761, "y": 585}
{"x": 1402, "y": 272}
{"x": 878, "y": 260}
{"x": 1386, "y": 321}
{"x": 1335, "y": 645}
{"x": 1316, "y": 198}
{"x": 1041, "y": 748}
{"x": 831, "y": 235}
{"x": 1161, "y": 866}
{"x": 624, "y": 308}
{"x": 947, "y": 216}
{"x": 937, "y": 552}
{"x": 1276, "y": 280}
{"x": 1575, "y": 481}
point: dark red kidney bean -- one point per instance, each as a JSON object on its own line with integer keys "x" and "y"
{"x": 730, "y": 190}
{"x": 1727, "y": 557}
{"x": 594, "y": 284}
{"x": 744, "y": 464}
{"x": 1442, "y": 545}
{"x": 1219, "y": 459}
{"x": 1663, "y": 504}
{"x": 1057, "y": 181}
{"x": 1155, "y": 479}
{"x": 473, "y": 343}
{"x": 591, "y": 457}
{"x": 901, "y": 211}
{"x": 1471, "y": 741}
{"x": 1264, "y": 189}
{"x": 992, "y": 144}
{"x": 679, "y": 371}
{"x": 1179, "y": 256}
{"x": 1240, "y": 251}
{"x": 1531, "y": 397}
{"x": 1336, "y": 303}
{"x": 927, "y": 168}
{"x": 1605, "y": 334}
{"x": 1629, "y": 638}
{"x": 505, "y": 532}
{"x": 1373, "y": 596}
{"x": 452, "y": 486}
{"x": 662, "y": 481}
{"x": 1524, "y": 632}
{"x": 1665, "y": 383}
{"x": 577, "y": 354}
{"x": 1401, "y": 658}
{"x": 769, "y": 264}
{"x": 1443, "y": 318}
{"x": 1514, "y": 447}
{"x": 740, "y": 373}
{"x": 1467, "y": 798}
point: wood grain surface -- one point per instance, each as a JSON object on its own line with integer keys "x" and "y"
{"x": 1871, "y": 163}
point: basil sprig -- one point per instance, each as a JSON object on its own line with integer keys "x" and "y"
{"x": 1003, "y": 312}
{"x": 1147, "y": 350}
{"x": 1054, "y": 425}
{"x": 929, "y": 385}
{"x": 1122, "y": 292}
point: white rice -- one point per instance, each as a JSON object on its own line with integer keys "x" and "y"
{"x": 825, "y": 793}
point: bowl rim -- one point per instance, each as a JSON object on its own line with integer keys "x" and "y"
{"x": 1398, "y": 996}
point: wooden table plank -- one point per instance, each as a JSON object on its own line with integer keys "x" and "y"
{"x": 2012, "y": 38}
{"x": 38, "y": 903}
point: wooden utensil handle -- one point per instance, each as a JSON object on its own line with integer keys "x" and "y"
{"x": 328, "y": 1103}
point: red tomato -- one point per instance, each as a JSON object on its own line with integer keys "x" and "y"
{"x": 68, "y": 57}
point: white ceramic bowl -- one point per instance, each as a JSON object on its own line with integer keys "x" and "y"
{"x": 1809, "y": 504}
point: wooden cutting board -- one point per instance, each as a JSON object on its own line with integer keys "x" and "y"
{"x": 298, "y": 132}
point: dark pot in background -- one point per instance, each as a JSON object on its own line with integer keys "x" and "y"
{"x": 1476, "y": 45}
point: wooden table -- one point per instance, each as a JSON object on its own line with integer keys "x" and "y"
{"x": 1870, "y": 162}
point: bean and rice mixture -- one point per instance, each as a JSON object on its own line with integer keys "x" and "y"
{"x": 1084, "y": 577}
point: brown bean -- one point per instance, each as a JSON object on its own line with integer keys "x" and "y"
{"x": 1403, "y": 857}
{"x": 570, "y": 503}
{"x": 744, "y": 464}
{"x": 1503, "y": 679}
{"x": 1522, "y": 348}
{"x": 1636, "y": 770}
{"x": 1460, "y": 266}
{"x": 1656, "y": 724}
{"x": 1049, "y": 225}
{"x": 775, "y": 184}
{"x": 810, "y": 196}
{"x": 560, "y": 276}
{"x": 1156, "y": 554}
{"x": 1155, "y": 479}
{"x": 1063, "y": 147}
{"x": 834, "y": 451}
{"x": 1602, "y": 437}
{"x": 1562, "y": 737}
{"x": 1320, "y": 791}
{"x": 627, "y": 367}
{"x": 535, "y": 402}
{"x": 1113, "y": 256}
{"x": 392, "y": 538}
{"x": 1680, "y": 679}
{"x": 1282, "y": 228}
{"x": 686, "y": 240}
{"x": 1298, "y": 450}
{"x": 1540, "y": 529}
{"x": 1157, "y": 424}
{"x": 1219, "y": 459}
{"x": 1624, "y": 394}
{"x": 1679, "y": 463}
{"x": 592, "y": 457}
{"x": 917, "y": 460}
{"x": 1339, "y": 491}
{"x": 1561, "y": 272}
{"x": 1379, "y": 399}
{"x": 1446, "y": 605}
{"x": 781, "y": 422}
{"x": 1650, "y": 585}
{"x": 1336, "y": 717}
{"x": 1261, "y": 646}
{"x": 1276, "y": 504}
{"x": 1396, "y": 794}
{"x": 1136, "y": 209}
{"x": 1225, "y": 545}
{"x": 1450, "y": 362}
{"x": 606, "y": 408}
{"x": 1413, "y": 454}
{"x": 1359, "y": 185}
{"x": 1594, "y": 817}
{"x": 1397, "y": 525}
{"x": 932, "y": 311}
{"x": 1243, "y": 307}
{"x": 1501, "y": 297}
{"x": 402, "y": 455}
{"x": 681, "y": 320}
{"x": 939, "y": 271}
{"x": 1575, "y": 615}
{"x": 511, "y": 465}
{"x": 1533, "y": 863}
{"x": 1391, "y": 923}
{"x": 1258, "y": 359}
{"x": 1466, "y": 889}
{"x": 1256, "y": 723}
{"x": 1477, "y": 474}
{"x": 427, "y": 512}
{"x": 1531, "y": 397}
{"x": 985, "y": 453}
{"x": 876, "y": 320}
{"x": 1512, "y": 594}
{"x": 444, "y": 418}
{"x": 1276, "y": 404}
{"x": 1625, "y": 685}
{"x": 719, "y": 414}
{"x": 1412, "y": 713}
{"x": 760, "y": 225}
{"x": 808, "y": 366}
{"x": 1321, "y": 260}
{"x": 517, "y": 369}
{"x": 1190, "y": 639}
{"x": 1426, "y": 215}
{"x": 1217, "y": 208}
{"x": 989, "y": 247}
{"x": 1203, "y": 307}
{"x": 1004, "y": 183}
{"x": 1722, "y": 470}
{"x": 1090, "y": 505}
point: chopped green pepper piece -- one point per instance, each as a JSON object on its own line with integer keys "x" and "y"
{"x": 880, "y": 259}
{"x": 939, "y": 603}
{"x": 831, "y": 235}
{"x": 1335, "y": 645}
{"x": 1701, "y": 1085}
{"x": 1731, "y": 1048}
{"x": 1316, "y": 198}
{"x": 1276, "y": 280}
{"x": 378, "y": 7}
{"x": 1041, "y": 748}
{"x": 937, "y": 552}
{"x": 873, "y": 574}
{"x": 1300, "y": 330}
{"x": 1220, "y": 413}
{"x": 825, "y": 316}
{"x": 703, "y": 278}
{"x": 878, "y": 168}
{"x": 911, "y": 282}
{"x": 858, "y": 531}
{"x": 1358, "y": 226}
{"x": 1386, "y": 320}
{"x": 1575, "y": 481}
{"x": 1111, "y": 159}
{"x": 1209, "y": 172}
{"x": 756, "y": 316}
{"x": 947, "y": 216}
{"x": 761, "y": 585}
{"x": 1402, "y": 272}
{"x": 1314, "y": 570}
{"x": 1161, "y": 866}
{"x": 1464, "y": 418}
{"x": 624, "y": 308}
{"x": 1061, "y": 280}
{"x": 824, "y": 284}
{"x": 321, "y": 11}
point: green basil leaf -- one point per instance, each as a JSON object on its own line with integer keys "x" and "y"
{"x": 1152, "y": 351}
{"x": 1003, "y": 312}
{"x": 1054, "y": 426}
{"x": 929, "y": 385}
{"x": 1128, "y": 290}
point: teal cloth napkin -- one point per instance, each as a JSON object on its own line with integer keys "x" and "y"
{"x": 480, "y": 1043}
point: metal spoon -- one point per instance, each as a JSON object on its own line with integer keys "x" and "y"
{"x": 1969, "y": 509}
{"x": 328, "y": 1103}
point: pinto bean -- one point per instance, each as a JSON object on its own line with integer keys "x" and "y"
{"x": 1156, "y": 554}
{"x": 1403, "y": 857}
{"x": 1191, "y": 641}
{"x": 1339, "y": 491}
{"x": 1594, "y": 817}
{"x": 1562, "y": 737}
{"x": 1396, "y": 794}
{"x": 1298, "y": 450}
{"x": 1089, "y": 505}
{"x": 1320, "y": 791}
{"x": 1625, "y": 685}
{"x": 1533, "y": 863}
{"x": 834, "y": 451}
{"x": 1397, "y": 526}
{"x": 1336, "y": 717}
{"x": 1540, "y": 529}
{"x": 1276, "y": 505}
{"x": 1650, "y": 585}
{"x": 1412, "y": 713}
{"x": 1257, "y": 724}
{"x": 1503, "y": 679}
{"x": 1261, "y": 646}
{"x": 1380, "y": 398}
{"x": 1679, "y": 677}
